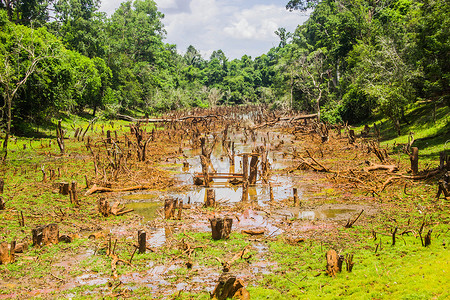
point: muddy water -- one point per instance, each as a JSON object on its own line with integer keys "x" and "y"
{"x": 226, "y": 193}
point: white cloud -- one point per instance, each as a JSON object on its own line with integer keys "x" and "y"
{"x": 236, "y": 27}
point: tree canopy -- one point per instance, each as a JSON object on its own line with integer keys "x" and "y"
{"x": 351, "y": 59}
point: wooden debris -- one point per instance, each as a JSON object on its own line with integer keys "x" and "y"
{"x": 443, "y": 187}
{"x": 253, "y": 231}
{"x": 221, "y": 228}
{"x": 98, "y": 189}
{"x": 2, "y": 203}
{"x": 350, "y": 223}
{"x": 116, "y": 209}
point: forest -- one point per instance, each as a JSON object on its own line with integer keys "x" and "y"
{"x": 318, "y": 170}
{"x": 350, "y": 60}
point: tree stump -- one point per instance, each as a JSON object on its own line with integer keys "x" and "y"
{"x": 230, "y": 287}
{"x": 64, "y": 188}
{"x": 443, "y": 187}
{"x": 103, "y": 207}
{"x": 333, "y": 262}
{"x": 244, "y": 192}
{"x": 73, "y": 193}
{"x": 295, "y": 196}
{"x": 221, "y": 228}
{"x": 253, "y": 169}
{"x": 142, "y": 241}
{"x": 2, "y": 203}
{"x": 108, "y": 137}
{"x": 210, "y": 198}
{"x": 169, "y": 208}
{"x": 428, "y": 238}
{"x": 272, "y": 199}
{"x": 414, "y": 157}
{"x": 7, "y": 252}
{"x": 351, "y": 136}
{"x": 45, "y": 235}
{"x": 245, "y": 167}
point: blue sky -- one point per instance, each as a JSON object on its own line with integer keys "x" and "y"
{"x": 236, "y": 27}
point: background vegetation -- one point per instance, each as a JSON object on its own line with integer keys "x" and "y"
{"x": 352, "y": 59}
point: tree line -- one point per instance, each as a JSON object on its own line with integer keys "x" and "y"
{"x": 352, "y": 58}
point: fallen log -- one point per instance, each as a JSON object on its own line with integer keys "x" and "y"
{"x": 374, "y": 167}
{"x": 148, "y": 120}
{"x": 98, "y": 189}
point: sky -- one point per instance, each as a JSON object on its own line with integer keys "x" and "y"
{"x": 236, "y": 27}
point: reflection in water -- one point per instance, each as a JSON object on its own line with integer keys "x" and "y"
{"x": 330, "y": 213}
{"x": 149, "y": 210}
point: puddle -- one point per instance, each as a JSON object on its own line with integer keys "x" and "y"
{"x": 251, "y": 219}
{"x": 329, "y": 213}
{"x": 148, "y": 210}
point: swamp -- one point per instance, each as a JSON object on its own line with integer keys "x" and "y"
{"x": 226, "y": 202}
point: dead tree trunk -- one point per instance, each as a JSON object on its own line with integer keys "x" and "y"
{"x": 253, "y": 169}
{"x": 414, "y": 157}
{"x": 221, "y": 228}
{"x": 2, "y": 185}
{"x": 60, "y": 137}
{"x": 2, "y": 203}
{"x": 295, "y": 196}
{"x": 245, "y": 167}
{"x": 142, "y": 241}
{"x": 210, "y": 198}
{"x": 169, "y": 208}
{"x": 73, "y": 193}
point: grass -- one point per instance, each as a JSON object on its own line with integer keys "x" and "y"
{"x": 293, "y": 271}
{"x": 432, "y": 135}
